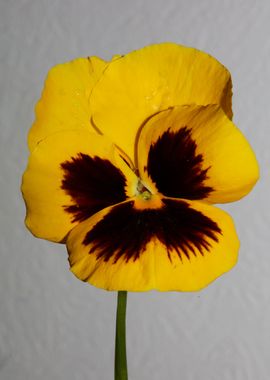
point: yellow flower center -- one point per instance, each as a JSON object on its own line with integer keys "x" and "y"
{"x": 145, "y": 199}
{"x": 146, "y": 195}
{"x": 143, "y": 192}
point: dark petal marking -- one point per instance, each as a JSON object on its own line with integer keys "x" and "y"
{"x": 175, "y": 167}
{"x": 93, "y": 184}
{"x": 125, "y": 231}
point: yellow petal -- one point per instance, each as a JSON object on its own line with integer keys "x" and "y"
{"x": 180, "y": 245}
{"x": 64, "y": 103}
{"x": 152, "y": 79}
{"x": 70, "y": 176}
{"x": 196, "y": 152}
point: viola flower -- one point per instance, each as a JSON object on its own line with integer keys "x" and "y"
{"x": 126, "y": 161}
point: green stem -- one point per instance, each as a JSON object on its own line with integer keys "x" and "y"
{"x": 120, "y": 364}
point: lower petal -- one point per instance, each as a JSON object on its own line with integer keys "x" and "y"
{"x": 180, "y": 245}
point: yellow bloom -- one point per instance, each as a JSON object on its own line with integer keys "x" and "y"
{"x": 127, "y": 158}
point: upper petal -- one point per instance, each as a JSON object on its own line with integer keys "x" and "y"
{"x": 179, "y": 245}
{"x": 151, "y": 79}
{"x": 64, "y": 103}
{"x": 70, "y": 176}
{"x": 196, "y": 152}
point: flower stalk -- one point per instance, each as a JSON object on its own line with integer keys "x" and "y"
{"x": 120, "y": 364}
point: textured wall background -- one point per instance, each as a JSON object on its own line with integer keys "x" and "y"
{"x": 53, "y": 326}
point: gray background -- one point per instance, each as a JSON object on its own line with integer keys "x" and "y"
{"x": 54, "y": 327}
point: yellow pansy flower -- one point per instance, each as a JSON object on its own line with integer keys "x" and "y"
{"x": 126, "y": 161}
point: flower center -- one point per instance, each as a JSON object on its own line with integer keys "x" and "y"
{"x": 145, "y": 199}
{"x": 143, "y": 192}
{"x": 146, "y": 195}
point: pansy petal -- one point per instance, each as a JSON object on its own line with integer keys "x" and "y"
{"x": 70, "y": 176}
{"x": 64, "y": 103}
{"x": 196, "y": 152}
{"x": 181, "y": 245}
{"x": 152, "y": 79}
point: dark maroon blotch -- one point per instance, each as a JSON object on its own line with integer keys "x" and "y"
{"x": 125, "y": 231}
{"x": 175, "y": 167}
{"x": 93, "y": 184}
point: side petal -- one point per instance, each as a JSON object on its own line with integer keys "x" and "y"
{"x": 179, "y": 246}
{"x": 64, "y": 103}
{"x": 152, "y": 79}
{"x": 196, "y": 152}
{"x": 70, "y": 176}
